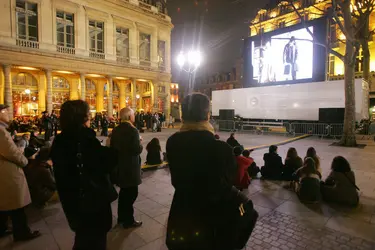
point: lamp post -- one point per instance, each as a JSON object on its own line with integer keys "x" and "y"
{"x": 189, "y": 63}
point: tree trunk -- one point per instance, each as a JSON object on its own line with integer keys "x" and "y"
{"x": 348, "y": 138}
{"x": 366, "y": 60}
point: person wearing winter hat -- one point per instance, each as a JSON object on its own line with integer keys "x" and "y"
{"x": 14, "y": 192}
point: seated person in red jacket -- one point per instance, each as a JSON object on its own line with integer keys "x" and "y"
{"x": 242, "y": 177}
{"x": 253, "y": 169}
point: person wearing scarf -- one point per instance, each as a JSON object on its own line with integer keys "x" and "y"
{"x": 203, "y": 170}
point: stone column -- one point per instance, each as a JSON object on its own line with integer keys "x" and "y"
{"x": 134, "y": 93}
{"x": 49, "y": 90}
{"x": 99, "y": 96}
{"x": 110, "y": 96}
{"x": 154, "y": 97}
{"x": 8, "y": 97}
{"x": 83, "y": 86}
{"x": 122, "y": 94}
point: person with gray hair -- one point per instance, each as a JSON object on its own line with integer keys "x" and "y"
{"x": 127, "y": 175}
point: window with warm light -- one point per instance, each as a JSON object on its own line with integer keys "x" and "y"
{"x": 27, "y": 20}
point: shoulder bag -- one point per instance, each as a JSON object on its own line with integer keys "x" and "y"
{"x": 96, "y": 193}
{"x": 244, "y": 219}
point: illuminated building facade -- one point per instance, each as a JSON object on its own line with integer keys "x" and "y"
{"x": 283, "y": 16}
{"x": 110, "y": 53}
{"x": 220, "y": 81}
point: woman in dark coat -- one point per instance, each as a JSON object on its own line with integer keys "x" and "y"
{"x": 153, "y": 152}
{"x": 203, "y": 170}
{"x": 292, "y": 163}
{"x": 77, "y": 139}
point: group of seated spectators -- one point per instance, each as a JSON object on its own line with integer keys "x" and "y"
{"x": 38, "y": 172}
{"x": 305, "y": 176}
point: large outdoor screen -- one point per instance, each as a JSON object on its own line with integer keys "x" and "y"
{"x": 283, "y": 57}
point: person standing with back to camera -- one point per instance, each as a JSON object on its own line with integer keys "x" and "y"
{"x": 82, "y": 167}
{"x": 203, "y": 170}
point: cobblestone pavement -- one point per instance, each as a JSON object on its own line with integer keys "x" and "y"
{"x": 284, "y": 222}
{"x": 279, "y": 231}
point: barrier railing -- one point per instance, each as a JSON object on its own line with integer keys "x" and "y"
{"x": 317, "y": 129}
{"x": 334, "y": 130}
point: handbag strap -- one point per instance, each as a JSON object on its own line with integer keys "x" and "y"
{"x": 351, "y": 181}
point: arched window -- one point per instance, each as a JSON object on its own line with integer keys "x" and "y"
{"x": 60, "y": 83}
{"x": 90, "y": 85}
{"x": 25, "y": 79}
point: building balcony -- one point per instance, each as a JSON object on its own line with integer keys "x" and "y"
{"x": 123, "y": 59}
{"x": 146, "y": 63}
{"x": 27, "y": 43}
{"x": 97, "y": 55}
{"x": 65, "y": 50}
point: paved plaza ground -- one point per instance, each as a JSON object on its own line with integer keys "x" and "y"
{"x": 285, "y": 223}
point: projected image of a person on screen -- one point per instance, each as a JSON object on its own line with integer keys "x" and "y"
{"x": 290, "y": 56}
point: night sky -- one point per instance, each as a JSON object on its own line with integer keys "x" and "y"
{"x": 215, "y": 27}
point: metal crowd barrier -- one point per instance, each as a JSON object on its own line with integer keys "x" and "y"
{"x": 316, "y": 129}
{"x": 322, "y": 130}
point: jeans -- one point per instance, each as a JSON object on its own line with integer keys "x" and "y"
{"x": 19, "y": 222}
{"x": 126, "y": 199}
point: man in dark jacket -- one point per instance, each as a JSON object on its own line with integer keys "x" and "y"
{"x": 127, "y": 175}
{"x": 273, "y": 164}
{"x": 47, "y": 125}
{"x": 202, "y": 171}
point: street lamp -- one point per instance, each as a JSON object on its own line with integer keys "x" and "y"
{"x": 189, "y": 63}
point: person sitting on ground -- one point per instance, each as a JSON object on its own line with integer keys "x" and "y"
{"x": 35, "y": 141}
{"x": 153, "y": 152}
{"x": 273, "y": 164}
{"x": 39, "y": 176}
{"x": 307, "y": 184}
{"x": 233, "y": 142}
{"x": 253, "y": 169}
{"x": 340, "y": 184}
{"x": 243, "y": 179}
{"x": 24, "y": 141}
{"x": 311, "y": 152}
{"x": 292, "y": 163}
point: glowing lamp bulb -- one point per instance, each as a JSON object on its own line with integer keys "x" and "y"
{"x": 27, "y": 91}
{"x": 181, "y": 60}
{"x": 194, "y": 58}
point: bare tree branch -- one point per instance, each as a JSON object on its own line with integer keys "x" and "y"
{"x": 338, "y": 21}
{"x": 314, "y": 41}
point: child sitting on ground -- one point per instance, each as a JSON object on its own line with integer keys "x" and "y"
{"x": 242, "y": 177}
{"x": 253, "y": 169}
{"x": 307, "y": 182}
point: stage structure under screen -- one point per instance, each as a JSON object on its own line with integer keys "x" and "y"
{"x": 283, "y": 57}
{"x": 294, "y": 102}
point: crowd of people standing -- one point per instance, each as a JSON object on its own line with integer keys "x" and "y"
{"x": 208, "y": 210}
